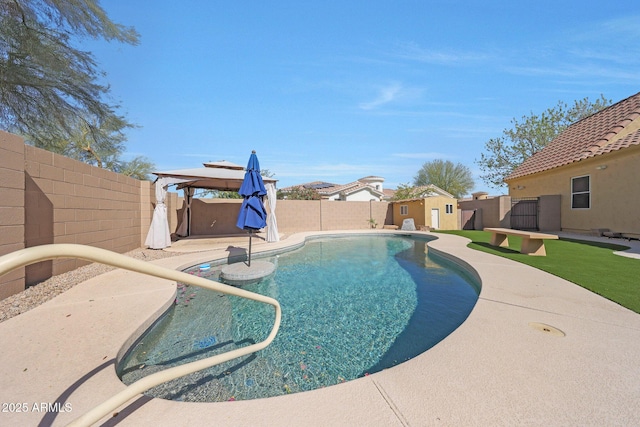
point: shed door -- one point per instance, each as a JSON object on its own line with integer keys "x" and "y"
{"x": 435, "y": 218}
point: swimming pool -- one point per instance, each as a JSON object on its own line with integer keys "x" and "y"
{"x": 351, "y": 306}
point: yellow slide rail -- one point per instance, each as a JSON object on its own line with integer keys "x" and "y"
{"x": 35, "y": 254}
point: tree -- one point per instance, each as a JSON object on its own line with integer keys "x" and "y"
{"x": 298, "y": 193}
{"x": 49, "y": 90}
{"x": 407, "y": 191}
{"x": 530, "y": 135}
{"x": 96, "y": 142}
{"x": 219, "y": 194}
{"x": 452, "y": 178}
{"x": 140, "y": 168}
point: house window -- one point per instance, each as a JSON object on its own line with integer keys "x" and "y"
{"x": 449, "y": 208}
{"x": 404, "y": 209}
{"x": 581, "y": 192}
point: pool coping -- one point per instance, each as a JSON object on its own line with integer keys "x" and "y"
{"x": 497, "y": 368}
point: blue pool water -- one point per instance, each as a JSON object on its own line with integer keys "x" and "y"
{"x": 351, "y": 306}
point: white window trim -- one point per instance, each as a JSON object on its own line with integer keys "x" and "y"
{"x": 404, "y": 209}
{"x": 581, "y": 192}
{"x": 448, "y": 208}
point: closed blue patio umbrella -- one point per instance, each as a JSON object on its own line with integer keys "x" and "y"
{"x": 253, "y": 215}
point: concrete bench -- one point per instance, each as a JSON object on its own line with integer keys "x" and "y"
{"x": 532, "y": 241}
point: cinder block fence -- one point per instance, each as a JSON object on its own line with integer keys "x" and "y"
{"x": 48, "y": 198}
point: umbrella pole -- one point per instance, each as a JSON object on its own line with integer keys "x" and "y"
{"x": 250, "y": 232}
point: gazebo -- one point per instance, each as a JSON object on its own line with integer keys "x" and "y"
{"x": 221, "y": 175}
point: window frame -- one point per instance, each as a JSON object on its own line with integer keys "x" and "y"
{"x": 404, "y": 210}
{"x": 582, "y": 192}
{"x": 448, "y": 208}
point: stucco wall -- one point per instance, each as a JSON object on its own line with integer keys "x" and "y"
{"x": 615, "y": 192}
{"x": 420, "y": 211}
{"x": 415, "y": 210}
{"x": 495, "y": 211}
{"x": 448, "y": 221}
{"x": 362, "y": 196}
{"x": 549, "y": 210}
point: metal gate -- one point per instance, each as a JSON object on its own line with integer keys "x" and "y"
{"x": 524, "y": 213}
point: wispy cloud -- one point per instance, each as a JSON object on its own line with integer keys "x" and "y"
{"x": 414, "y": 52}
{"x": 385, "y": 95}
{"x": 393, "y": 93}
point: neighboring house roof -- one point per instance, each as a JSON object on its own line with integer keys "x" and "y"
{"x": 327, "y": 189}
{"x": 351, "y": 188}
{"x": 315, "y": 185}
{"x": 603, "y": 132}
{"x": 388, "y": 193}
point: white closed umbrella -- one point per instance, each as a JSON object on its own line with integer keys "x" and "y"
{"x": 272, "y": 223}
{"x": 159, "y": 236}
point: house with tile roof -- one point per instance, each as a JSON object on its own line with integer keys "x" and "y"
{"x": 594, "y": 166}
{"x": 364, "y": 189}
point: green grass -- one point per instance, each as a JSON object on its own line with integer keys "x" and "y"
{"x": 591, "y": 265}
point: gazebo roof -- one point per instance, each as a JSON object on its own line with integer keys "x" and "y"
{"x": 223, "y": 164}
{"x": 222, "y": 175}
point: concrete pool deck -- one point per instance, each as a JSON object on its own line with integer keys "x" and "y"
{"x": 500, "y": 367}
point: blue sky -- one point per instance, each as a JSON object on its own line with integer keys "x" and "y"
{"x": 337, "y": 90}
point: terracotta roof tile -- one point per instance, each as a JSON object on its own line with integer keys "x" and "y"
{"x": 595, "y": 135}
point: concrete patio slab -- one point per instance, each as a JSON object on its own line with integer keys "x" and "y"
{"x": 495, "y": 369}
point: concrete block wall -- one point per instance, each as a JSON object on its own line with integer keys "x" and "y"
{"x": 67, "y": 201}
{"x": 314, "y": 215}
{"x": 211, "y": 217}
{"x": 352, "y": 215}
{"x": 299, "y": 215}
{"x": 495, "y": 211}
{"x": 12, "y": 185}
{"x": 214, "y": 216}
{"x": 174, "y": 211}
{"x": 146, "y": 208}
{"x": 48, "y": 198}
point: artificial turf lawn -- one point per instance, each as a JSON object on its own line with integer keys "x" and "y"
{"x": 591, "y": 265}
